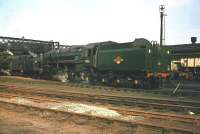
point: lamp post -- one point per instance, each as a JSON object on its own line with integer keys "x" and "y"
{"x": 162, "y": 10}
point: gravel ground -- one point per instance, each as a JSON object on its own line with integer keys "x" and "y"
{"x": 20, "y": 123}
{"x": 13, "y": 122}
{"x": 76, "y": 107}
{"x": 94, "y": 111}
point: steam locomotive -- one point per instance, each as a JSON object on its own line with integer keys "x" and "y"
{"x": 132, "y": 64}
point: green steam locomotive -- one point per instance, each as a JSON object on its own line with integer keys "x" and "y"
{"x": 133, "y": 64}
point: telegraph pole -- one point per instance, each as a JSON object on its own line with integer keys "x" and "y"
{"x": 162, "y": 10}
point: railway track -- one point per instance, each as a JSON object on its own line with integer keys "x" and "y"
{"x": 189, "y": 92}
{"x": 157, "y": 115}
{"x": 192, "y": 128}
{"x": 167, "y": 91}
{"x": 157, "y": 104}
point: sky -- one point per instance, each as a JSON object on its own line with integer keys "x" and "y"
{"x": 75, "y": 22}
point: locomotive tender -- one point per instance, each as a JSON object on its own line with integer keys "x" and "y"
{"x": 132, "y": 64}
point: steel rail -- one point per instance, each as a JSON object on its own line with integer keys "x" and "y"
{"x": 116, "y": 100}
{"x": 155, "y": 115}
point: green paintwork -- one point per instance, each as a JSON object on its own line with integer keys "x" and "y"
{"x": 106, "y": 59}
{"x": 139, "y": 55}
{"x": 25, "y": 63}
{"x": 5, "y": 60}
{"x": 62, "y": 56}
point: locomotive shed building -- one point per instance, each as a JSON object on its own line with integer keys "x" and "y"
{"x": 186, "y": 54}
